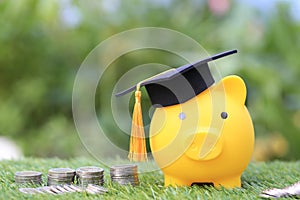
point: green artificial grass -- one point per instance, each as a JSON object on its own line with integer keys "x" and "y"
{"x": 257, "y": 177}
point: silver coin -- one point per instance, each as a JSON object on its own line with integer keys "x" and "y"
{"x": 124, "y": 179}
{"x": 60, "y": 181}
{"x": 61, "y": 171}
{"x": 125, "y": 176}
{"x": 124, "y": 166}
{"x": 90, "y": 176}
{"x": 55, "y": 190}
{"x": 93, "y": 189}
{"x": 27, "y": 177}
{"x": 133, "y": 169}
{"x": 98, "y": 188}
{"x": 90, "y": 191}
{"x": 273, "y": 193}
{"x": 68, "y": 188}
{"x": 51, "y": 183}
{"x": 289, "y": 191}
{"x": 28, "y": 174}
{"x": 61, "y": 178}
{"x": 78, "y": 189}
{"x": 293, "y": 189}
{"x": 28, "y": 180}
{"x": 47, "y": 189}
{"x": 29, "y": 183}
{"x": 89, "y": 170}
{"x": 123, "y": 173}
{"x": 39, "y": 190}
{"x": 90, "y": 181}
{"x": 62, "y": 189}
{"x": 30, "y": 191}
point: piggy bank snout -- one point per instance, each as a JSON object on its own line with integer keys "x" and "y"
{"x": 203, "y": 146}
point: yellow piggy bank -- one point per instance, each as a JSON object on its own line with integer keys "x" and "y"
{"x": 200, "y": 132}
{"x": 204, "y": 140}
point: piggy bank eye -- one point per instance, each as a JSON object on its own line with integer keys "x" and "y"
{"x": 224, "y": 115}
{"x": 182, "y": 116}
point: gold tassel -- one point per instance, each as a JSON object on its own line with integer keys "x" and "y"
{"x": 137, "y": 149}
{"x": 137, "y": 145}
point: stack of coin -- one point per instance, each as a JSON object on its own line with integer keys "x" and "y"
{"x": 124, "y": 174}
{"x": 89, "y": 175}
{"x": 60, "y": 176}
{"x": 28, "y": 177}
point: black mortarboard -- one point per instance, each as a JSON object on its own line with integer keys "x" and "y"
{"x": 168, "y": 88}
{"x": 180, "y": 84}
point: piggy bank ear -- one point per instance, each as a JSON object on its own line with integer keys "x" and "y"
{"x": 234, "y": 87}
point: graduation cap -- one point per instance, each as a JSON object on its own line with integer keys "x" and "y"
{"x": 168, "y": 88}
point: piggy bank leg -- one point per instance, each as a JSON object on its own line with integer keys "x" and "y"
{"x": 231, "y": 182}
{"x": 172, "y": 181}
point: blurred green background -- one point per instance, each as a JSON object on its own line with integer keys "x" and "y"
{"x": 43, "y": 44}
